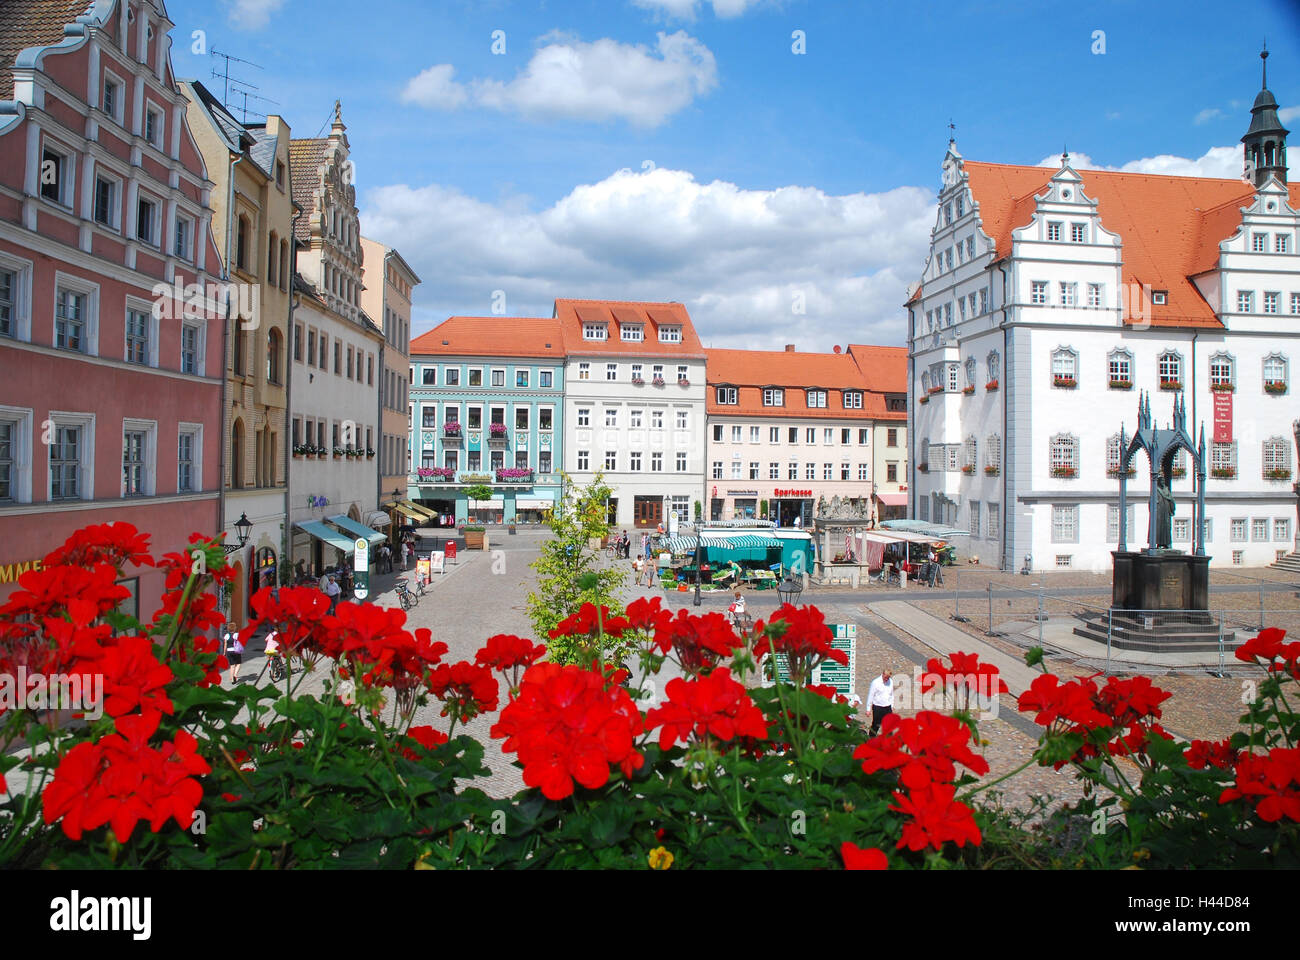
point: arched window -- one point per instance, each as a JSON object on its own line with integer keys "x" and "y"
{"x": 1119, "y": 366}
{"x": 1113, "y": 455}
{"x": 274, "y": 343}
{"x": 1064, "y": 456}
{"x": 237, "y": 453}
{"x": 1277, "y": 459}
{"x": 1065, "y": 368}
{"x": 992, "y": 453}
{"x": 1275, "y": 373}
{"x": 1223, "y": 372}
{"x": 1169, "y": 369}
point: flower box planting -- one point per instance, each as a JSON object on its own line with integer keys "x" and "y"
{"x": 1278, "y": 473}
{"x": 991, "y": 386}
{"x": 638, "y": 381}
{"x": 924, "y": 399}
{"x": 1178, "y": 472}
{"x": 1065, "y": 472}
{"x": 968, "y": 391}
{"x": 514, "y": 475}
{"x": 991, "y": 471}
{"x": 683, "y": 382}
{"x": 341, "y": 776}
{"x": 497, "y": 431}
{"x": 1116, "y": 471}
{"x": 1223, "y": 473}
{"x": 659, "y": 381}
{"x": 1171, "y": 385}
{"x": 1222, "y": 388}
{"x": 1121, "y": 384}
{"x": 1065, "y": 383}
{"x": 1274, "y": 387}
{"x": 451, "y": 429}
{"x": 968, "y": 469}
{"x": 934, "y": 390}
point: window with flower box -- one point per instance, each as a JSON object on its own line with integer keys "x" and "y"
{"x": 1223, "y": 460}
{"x": 1119, "y": 365}
{"x": 995, "y": 370}
{"x": 1065, "y": 363}
{"x": 1222, "y": 373}
{"x": 1169, "y": 369}
{"x": 970, "y": 455}
{"x": 972, "y": 371}
{"x": 1275, "y": 374}
{"x": 1114, "y": 454}
{"x": 992, "y": 455}
{"x": 1064, "y": 459}
{"x": 1277, "y": 459}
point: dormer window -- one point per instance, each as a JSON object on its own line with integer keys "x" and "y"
{"x": 773, "y": 397}
{"x": 1078, "y": 232}
{"x": 670, "y": 334}
{"x": 595, "y": 331}
{"x": 727, "y": 396}
{"x": 817, "y": 399}
{"x": 1053, "y": 231}
{"x": 852, "y": 399}
{"x": 632, "y": 332}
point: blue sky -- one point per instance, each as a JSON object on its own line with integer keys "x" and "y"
{"x": 681, "y": 149}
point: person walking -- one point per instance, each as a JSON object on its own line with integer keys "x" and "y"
{"x": 932, "y": 566}
{"x": 233, "y": 650}
{"x": 332, "y": 590}
{"x": 638, "y": 567}
{"x": 880, "y": 696}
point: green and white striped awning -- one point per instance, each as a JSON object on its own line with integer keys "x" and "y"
{"x": 750, "y": 541}
{"x": 687, "y": 544}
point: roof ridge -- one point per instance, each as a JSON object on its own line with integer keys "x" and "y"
{"x": 1081, "y": 171}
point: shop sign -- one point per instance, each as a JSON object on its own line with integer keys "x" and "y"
{"x": 803, "y": 494}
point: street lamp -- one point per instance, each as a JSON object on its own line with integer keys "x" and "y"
{"x": 243, "y": 527}
{"x": 699, "y": 575}
{"x": 788, "y": 590}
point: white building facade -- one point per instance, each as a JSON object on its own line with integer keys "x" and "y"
{"x": 1051, "y": 299}
{"x": 635, "y": 406}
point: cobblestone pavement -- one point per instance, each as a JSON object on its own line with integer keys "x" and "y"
{"x": 485, "y": 594}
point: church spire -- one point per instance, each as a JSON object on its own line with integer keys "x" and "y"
{"x": 1265, "y": 140}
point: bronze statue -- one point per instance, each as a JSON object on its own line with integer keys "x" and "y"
{"x": 1166, "y": 507}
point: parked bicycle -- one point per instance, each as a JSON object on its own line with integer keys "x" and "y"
{"x": 405, "y": 596}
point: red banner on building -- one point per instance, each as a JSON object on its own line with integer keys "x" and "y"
{"x": 1222, "y": 417}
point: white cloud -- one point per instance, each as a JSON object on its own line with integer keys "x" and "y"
{"x": 1221, "y": 162}
{"x": 434, "y": 88}
{"x": 737, "y": 258}
{"x": 1206, "y": 115}
{"x": 252, "y": 14}
{"x": 598, "y": 81}
{"x": 1287, "y": 114}
{"x": 685, "y": 9}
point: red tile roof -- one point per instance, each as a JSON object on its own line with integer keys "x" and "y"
{"x": 750, "y": 371}
{"x": 32, "y": 23}
{"x": 1170, "y": 226}
{"x": 305, "y": 157}
{"x": 885, "y": 368}
{"x": 493, "y": 337}
{"x": 572, "y": 314}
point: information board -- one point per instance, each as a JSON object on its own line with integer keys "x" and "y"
{"x": 844, "y": 636}
{"x": 361, "y": 569}
{"x": 437, "y": 562}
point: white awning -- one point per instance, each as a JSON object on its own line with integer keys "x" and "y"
{"x": 533, "y": 503}
{"x": 377, "y": 519}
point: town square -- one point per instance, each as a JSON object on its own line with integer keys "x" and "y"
{"x": 653, "y": 435}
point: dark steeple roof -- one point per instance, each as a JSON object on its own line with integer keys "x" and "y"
{"x": 1265, "y": 141}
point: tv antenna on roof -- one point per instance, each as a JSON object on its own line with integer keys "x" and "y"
{"x": 224, "y": 73}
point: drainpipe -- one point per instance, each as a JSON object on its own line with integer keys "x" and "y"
{"x": 1005, "y": 387}
{"x": 287, "y": 557}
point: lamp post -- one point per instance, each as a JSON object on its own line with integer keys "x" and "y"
{"x": 789, "y": 590}
{"x": 698, "y": 574}
{"x": 243, "y": 527}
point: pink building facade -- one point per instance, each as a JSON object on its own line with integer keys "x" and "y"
{"x": 111, "y": 337}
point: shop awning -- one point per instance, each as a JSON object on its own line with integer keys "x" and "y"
{"x": 330, "y": 536}
{"x": 687, "y": 544}
{"x": 936, "y": 530}
{"x": 357, "y": 529}
{"x": 377, "y": 519}
{"x": 421, "y": 512}
{"x": 749, "y": 541}
{"x": 534, "y": 503}
{"x": 410, "y": 514}
{"x": 892, "y": 499}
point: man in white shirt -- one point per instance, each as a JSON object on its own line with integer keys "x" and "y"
{"x": 880, "y": 696}
{"x": 332, "y": 590}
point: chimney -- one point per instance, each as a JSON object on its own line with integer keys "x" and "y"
{"x": 789, "y": 348}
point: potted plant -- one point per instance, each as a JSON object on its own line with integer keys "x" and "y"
{"x": 1065, "y": 472}
{"x": 339, "y": 453}
{"x": 497, "y": 431}
{"x": 1065, "y": 383}
{"x": 1223, "y": 473}
{"x": 923, "y": 399}
{"x": 1176, "y": 472}
{"x": 969, "y": 469}
{"x": 991, "y": 386}
{"x": 475, "y": 535}
{"x": 968, "y": 390}
{"x": 659, "y": 381}
{"x": 1222, "y": 388}
{"x": 1171, "y": 386}
{"x": 1116, "y": 384}
{"x": 1275, "y": 386}
{"x": 683, "y": 382}
{"x": 933, "y": 390}
{"x": 637, "y": 381}
{"x": 451, "y": 429}
{"x": 300, "y": 451}
{"x": 370, "y": 453}
{"x": 1277, "y": 473}
{"x": 1116, "y": 471}
{"x": 991, "y": 471}
{"x": 699, "y": 510}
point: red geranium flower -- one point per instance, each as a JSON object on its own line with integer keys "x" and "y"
{"x": 855, "y": 858}
{"x": 936, "y": 818}
{"x": 116, "y": 544}
{"x": 466, "y": 690}
{"x": 647, "y": 614}
{"x": 1131, "y": 699}
{"x": 966, "y": 673}
{"x": 133, "y": 678}
{"x": 1266, "y": 645}
{"x": 1071, "y": 702}
{"x": 427, "y": 737}
{"x": 1213, "y": 753}
{"x": 934, "y": 744}
{"x": 1270, "y": 782}
{"x": 585, "y": 622}
{"x": 801, "y": 635}
{"x": 699, "y": 641}
{"x": 713, "y": 705}
{"x": 567, "y": 725}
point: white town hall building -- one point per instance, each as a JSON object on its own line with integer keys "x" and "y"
{"x": 1051, "y": 298}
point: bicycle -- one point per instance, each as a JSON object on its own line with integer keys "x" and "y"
{"x": 404, "y": 595}
{"x": 275, "y": 662}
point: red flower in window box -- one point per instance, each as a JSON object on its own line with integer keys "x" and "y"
{"x": 1066, "y": 383}
{"x": 968, "y": 390}
{"x": 991, "y": 471}
{"x": 968, "y": 469}
{"x": 1116, "y": 471}
{"x": 1275, "y": 386}
{"x": 991, "y": 385}
{"x": 923, "y": 399}
{"x": 1277, "y": 473}
{"x": 1121, "y": 384}
{"x": 1223, "y": 473}
{"x": 1171, "y": 385}
{"x": 1222, "y": 388}
{"x": 935, "y": 390}
{"x": 1064, "y": 472}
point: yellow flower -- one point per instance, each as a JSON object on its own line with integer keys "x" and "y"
{"x": 660, "y": 859}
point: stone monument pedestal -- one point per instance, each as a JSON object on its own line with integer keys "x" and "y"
{"x": 1159, "y": 603}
